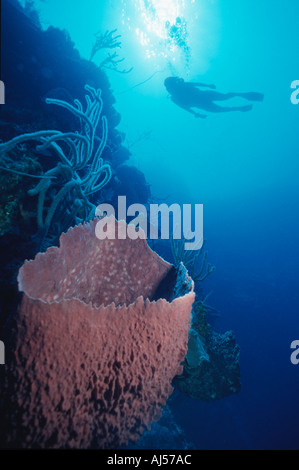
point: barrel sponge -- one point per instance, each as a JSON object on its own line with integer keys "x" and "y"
{"x": 101, "y": 331}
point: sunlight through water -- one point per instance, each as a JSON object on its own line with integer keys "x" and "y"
{"x": 161, "y": 27}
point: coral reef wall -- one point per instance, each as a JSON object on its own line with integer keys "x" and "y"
{"x": 38, "y": 65}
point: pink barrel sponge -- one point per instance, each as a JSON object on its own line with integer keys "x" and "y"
{"x": 96, "y": 348}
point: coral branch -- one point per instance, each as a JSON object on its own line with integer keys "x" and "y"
{"x": 105, "y": 41}
{"x": 191, "y": 259}
{"x": 108, "y": 41}
{"x": 81, "y": 156}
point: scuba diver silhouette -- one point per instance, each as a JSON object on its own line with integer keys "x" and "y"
{"x": 188, "y": 95}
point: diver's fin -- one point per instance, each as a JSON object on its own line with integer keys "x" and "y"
{"x": 252, "y": 96}
{"x": 245, "y": 109}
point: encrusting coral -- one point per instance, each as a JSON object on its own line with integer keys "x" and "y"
{"x": 212, "y": 364}
{"x": 212, "y": 367}
{"x": 101, "y": 332}
{"x": 12, "y": 188}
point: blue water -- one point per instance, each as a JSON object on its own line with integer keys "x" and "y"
{"x": 243, "y": 167}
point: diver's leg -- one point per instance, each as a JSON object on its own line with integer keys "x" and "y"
{"x": 209, "y": 95}
{"x": 214, "y": 108}
{"x": 251, "y": 96}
